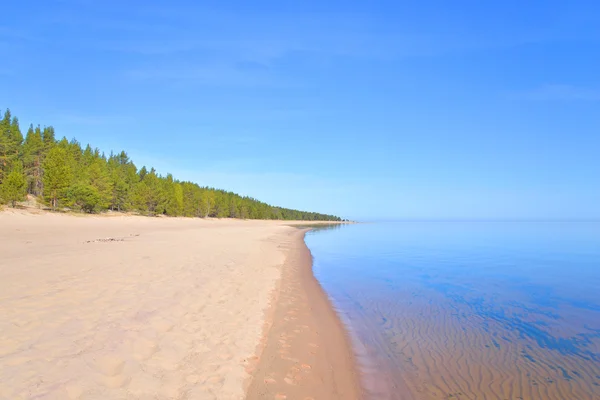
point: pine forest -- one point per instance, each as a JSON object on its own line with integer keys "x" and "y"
{"x": 65, "y": 176}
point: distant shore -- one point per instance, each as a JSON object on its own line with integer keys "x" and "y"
{"x": 117, "y": 306}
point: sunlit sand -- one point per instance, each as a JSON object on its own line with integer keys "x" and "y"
{"x": 132, "y": 307}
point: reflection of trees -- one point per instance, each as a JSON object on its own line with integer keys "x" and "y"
{"x": 319, "y": 227}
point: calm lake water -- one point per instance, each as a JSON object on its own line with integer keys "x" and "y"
{"x": 468, "y": 310}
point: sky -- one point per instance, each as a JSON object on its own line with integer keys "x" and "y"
{"x": 367, "y": 110}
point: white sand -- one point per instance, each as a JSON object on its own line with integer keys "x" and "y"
{"x": 174, "y": 311}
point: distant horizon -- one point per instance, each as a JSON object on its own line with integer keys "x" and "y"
{"x": 378, "y": 110}
{"x": 24, "y": 127}
{"x": 467, "y": 219}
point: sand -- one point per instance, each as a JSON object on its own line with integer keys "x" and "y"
{"x": 130, "y": 307}
{"x": 307, "y": 353}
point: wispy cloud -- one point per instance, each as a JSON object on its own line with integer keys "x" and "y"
{"x": 224, "y": 39}
{"x": 255, "y": 59}
{"x": 207, "y": 75}
{"x": 89, "y": 120}
{"x": 330, "y": 40}
{"x": 561, "y": 92}
{"x": 219, "y": 44}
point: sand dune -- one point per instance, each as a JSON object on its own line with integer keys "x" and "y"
{"x": 133, "y": 307}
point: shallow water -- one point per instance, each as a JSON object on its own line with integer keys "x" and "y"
{"x": 468, "y": 310}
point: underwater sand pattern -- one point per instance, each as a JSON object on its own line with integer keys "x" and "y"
{"x": 418, "y": 344}
{"x": 437, "y": 310}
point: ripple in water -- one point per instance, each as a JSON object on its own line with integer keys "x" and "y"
{"x": 468, "y": 310}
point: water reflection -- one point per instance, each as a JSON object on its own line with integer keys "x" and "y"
{"x": 318, "y": 227}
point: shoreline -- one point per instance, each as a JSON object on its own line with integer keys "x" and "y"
{"x": 133, "y": 307}
{"x": 306, "y": 351}
{"x": 120, "y": 306}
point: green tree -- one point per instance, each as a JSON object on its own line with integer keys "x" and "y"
{"x": 14, "y": 187}
{"x": 177, "y": 203}
{"x": 85, "y": 197}
{"x": 58, "y": 175}
{"x": 123, "y": 178}
{"x": 11, "y": 140}
{"x": 148, "y": 194}
{"x": 49, "y": 138}
{"x": 33, "y": 152}
{"x": 4, "y": 143}
{"x": 207, "y": 202}
{"x": 99, "y": 179}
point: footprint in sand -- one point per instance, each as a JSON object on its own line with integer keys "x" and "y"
{"x": 108, "y": 365}
{"x": 280, "y": 396}
{"x": 215, "y": 379}
{"x": 115, "y": 382}
{"x": 73, "y": 391}
{"x": 169, "y": 392}
{"x": 162, "y": 325}
{"x": 144, "y": 348}
{"x": 144, "y": 385}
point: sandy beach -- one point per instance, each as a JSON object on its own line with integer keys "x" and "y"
{"x": 127, "y": 307}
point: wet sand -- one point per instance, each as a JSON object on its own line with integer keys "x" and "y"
{"x": 306, "y": 352}
{"x": 157, "y": 308}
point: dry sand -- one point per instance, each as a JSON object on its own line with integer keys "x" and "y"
{"x": 136, "y": 308}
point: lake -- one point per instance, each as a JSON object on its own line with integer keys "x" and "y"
{"x": 468, "y": 310}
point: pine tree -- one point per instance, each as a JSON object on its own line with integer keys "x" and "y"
{"x": 100, "y": 181}
{"x": 143, "y": 173}
{"x": 207, "y": 202}
{"x": 33, "y": 152}
{"x": 49, "y": 138}
{"x": 4, "y": 144}
{"x": 58, "y": 175}
{"x": 148, "y": 193}
{"x": 11, "y": 140}
{"x": 118, "y": 186}
{"x": 177, "y": 203}
{"x": 123, "y": 178}
{"x": 14, "y": 187}
{"x": 85, "y": 197}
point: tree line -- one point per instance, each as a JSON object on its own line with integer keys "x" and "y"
{"x": 64, "y": 175}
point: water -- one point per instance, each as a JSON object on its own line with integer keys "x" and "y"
{"x": 468, "y": 310}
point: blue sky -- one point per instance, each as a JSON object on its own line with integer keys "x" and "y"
{"x": 379, "y": 109}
